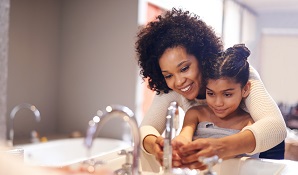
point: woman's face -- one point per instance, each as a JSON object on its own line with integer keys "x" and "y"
{"x": 181, "y": 72}
{"x": 223, "y": 96}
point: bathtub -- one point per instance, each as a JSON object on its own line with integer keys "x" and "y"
{"x": 65, "y": 152}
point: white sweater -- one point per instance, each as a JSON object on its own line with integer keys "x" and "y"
{"x": 269, "y": 128}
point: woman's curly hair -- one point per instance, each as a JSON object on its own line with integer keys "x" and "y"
{"x": 174, "y": 28}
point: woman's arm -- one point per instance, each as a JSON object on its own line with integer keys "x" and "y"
{"x": 269, "y": 128}
{"x": 225, "y": 147}
{"x": 153, "y": 124}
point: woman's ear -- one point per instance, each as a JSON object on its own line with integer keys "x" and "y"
{"x": 246, "y": 89}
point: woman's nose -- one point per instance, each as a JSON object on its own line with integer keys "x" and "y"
{"x": 179, "y": 80}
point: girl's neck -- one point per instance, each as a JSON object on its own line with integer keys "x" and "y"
{"x": 232, "y": 121}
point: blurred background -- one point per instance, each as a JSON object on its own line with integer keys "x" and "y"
{"x": 71, "y": 58}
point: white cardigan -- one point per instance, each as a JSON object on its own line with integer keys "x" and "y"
{"x": 269, "y": 128}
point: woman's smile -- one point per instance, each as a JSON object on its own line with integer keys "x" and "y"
{"x": 187, "y": 88}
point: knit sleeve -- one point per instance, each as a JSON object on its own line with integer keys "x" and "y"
{"x": 155, "y": 118}
{"x": 269, "y": 128}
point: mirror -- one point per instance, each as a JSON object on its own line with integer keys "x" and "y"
{"x": 71, "y": 58}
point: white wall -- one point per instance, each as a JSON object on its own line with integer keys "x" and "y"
{"x": 279, "y": 66}
{"x": 70, "y": 58}
{"x": 278, "y": 37}
{"x": 272, "y": 38}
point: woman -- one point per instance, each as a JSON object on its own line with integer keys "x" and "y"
{"x": 171, "y": 53}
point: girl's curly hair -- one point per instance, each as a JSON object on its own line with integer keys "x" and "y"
{"x": 174, "y": 28}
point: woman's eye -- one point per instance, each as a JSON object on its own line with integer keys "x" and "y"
{"x": 167, "y": 76}
{"x": 184, "y": 68}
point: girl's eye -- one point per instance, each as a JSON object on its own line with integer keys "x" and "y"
{"x": 184, "y": 69}
{"x": 210, "y": 93}
{"x": 227, "y": 95}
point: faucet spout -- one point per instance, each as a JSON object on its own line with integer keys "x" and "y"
{"x": 167, "y": 149}
{"x": 128, "y": 116}
{"x": 13, "y": 113}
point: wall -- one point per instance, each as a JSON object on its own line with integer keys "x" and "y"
{"x": 98, "y": 66}
{"x": 33, "y": 63}
{"x": 272, "y": 37}
{"x": 278, "y": 38}
{"x": 279, "y": 66}
{"x": 4, "y": 24}
{"x": 70, "y": 58}
{"x": 239, "y": 26}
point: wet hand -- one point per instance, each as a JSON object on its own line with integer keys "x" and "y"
{"x": 191, "y": 152}
{"x": 158, "y": 149}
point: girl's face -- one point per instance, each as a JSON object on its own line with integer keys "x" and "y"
{"x": 181, "y": 72}
{"x": 223, "y": 96}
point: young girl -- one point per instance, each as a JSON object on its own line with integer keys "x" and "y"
{"x": 227, "y": 84}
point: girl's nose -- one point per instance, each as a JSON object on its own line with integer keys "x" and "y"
{"x": 218, "y": 101}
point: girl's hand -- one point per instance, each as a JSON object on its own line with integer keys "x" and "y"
{"x": 177, "y": 142}
{"x": 191, "y": 152}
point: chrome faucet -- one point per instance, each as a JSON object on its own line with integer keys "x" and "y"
{"x": 210, "y": 162}
{"x": 12, "y": 116}
{"x": 128, "y": 116}
{"x": 167, "y": 149}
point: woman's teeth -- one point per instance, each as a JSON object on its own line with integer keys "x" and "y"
{"x": 185, "y": 89}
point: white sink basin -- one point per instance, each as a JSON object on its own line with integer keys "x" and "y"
{"x": 72, "y": 152}
{"x": 65, "y": 152}
{"x": 236, "y": 166}
{"x": 248, "y": 166}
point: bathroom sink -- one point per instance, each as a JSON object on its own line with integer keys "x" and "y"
{"x": 71, "y": 152}
{"x": 248, "y": 166}
{"x": 236, "y": 166}
{"x": 63, "y": 152}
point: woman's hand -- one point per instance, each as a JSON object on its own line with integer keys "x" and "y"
{"x": 191, "y": 152}
{"x": 154, "y": 146}
{"x": 225, "y": 147}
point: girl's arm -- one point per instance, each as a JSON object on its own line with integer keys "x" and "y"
{"x": 189, "y": 124}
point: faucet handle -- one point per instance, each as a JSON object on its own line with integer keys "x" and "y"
{"x": 91, "y": 164}
{"x": 128, "y": 156}
{"x": 210, "y": 162}
{"x": 127, "y": 166}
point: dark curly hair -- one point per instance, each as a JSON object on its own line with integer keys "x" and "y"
{"x": 174, "y": 28}
{"x": 231, "y": 64}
